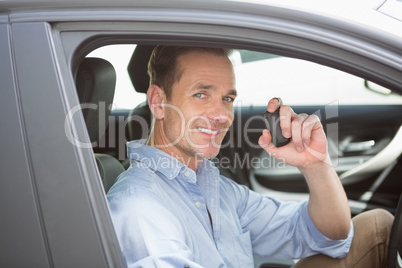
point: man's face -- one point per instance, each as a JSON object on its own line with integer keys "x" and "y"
{"x": 200, "y": 110}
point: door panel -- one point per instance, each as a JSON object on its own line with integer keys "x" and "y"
{"x": 68, "y": 192}
{"x": 18, "y": 203}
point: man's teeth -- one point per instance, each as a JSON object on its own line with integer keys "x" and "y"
{"x": 208, "y": 131}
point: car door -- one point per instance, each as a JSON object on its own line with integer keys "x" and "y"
{"x": 53, "y": 202}
{"x": 54, "y": 213}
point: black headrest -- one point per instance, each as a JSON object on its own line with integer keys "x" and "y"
{"x": 95, "y": 82}
{"x": 137, "y": 67}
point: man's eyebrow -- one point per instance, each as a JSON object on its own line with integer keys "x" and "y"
{"x": 211, "y": 87}
{"x": 232, "y": 92}
{"x": 204, "y": 86}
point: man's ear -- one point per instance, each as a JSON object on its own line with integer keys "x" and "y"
{"x": 156, "y": 101}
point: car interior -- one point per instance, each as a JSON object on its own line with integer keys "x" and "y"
{"x": 360, "y": 140}
{"x": 95, "y": 81}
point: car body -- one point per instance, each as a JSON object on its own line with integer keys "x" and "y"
{"x": 54, "y": 210}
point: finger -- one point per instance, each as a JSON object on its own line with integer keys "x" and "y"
{"x": 273, "y": 104}
{"x": 265, "y": 139}
{"x": 286, "y": 115}
{"x": 297, "y": 123}
{"x": 311, "y": 123}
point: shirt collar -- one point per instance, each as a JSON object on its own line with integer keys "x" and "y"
{"x": 162, "y": 162}
{"x": 154, "y": 158}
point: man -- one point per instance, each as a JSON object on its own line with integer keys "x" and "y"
{"x": 171, "y": 208}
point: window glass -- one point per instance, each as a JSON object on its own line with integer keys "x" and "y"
{"x": 261, "y": 76}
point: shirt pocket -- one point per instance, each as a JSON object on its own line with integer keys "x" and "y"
{"x": 244, "y": 250}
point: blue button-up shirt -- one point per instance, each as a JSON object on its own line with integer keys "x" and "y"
{"x": 160, "y": 208}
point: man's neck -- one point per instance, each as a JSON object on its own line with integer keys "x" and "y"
{"x": 191, "y": 161}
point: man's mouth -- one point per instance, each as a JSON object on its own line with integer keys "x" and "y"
{"x": 208, "y": 131}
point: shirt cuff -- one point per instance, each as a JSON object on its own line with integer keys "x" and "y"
{"x": 324, "y": 245}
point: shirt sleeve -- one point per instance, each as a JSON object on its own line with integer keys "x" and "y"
{"x": 282, "y": 229}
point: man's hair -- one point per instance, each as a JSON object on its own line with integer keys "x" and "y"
{"x": 163, "y": 68}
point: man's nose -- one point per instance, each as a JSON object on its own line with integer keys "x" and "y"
{"x": 219, "y": 112}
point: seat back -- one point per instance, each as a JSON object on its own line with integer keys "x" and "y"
{"x": 95, "y": 82}
{"x": 109, "y": 169}
{"x": 139, "y": 121}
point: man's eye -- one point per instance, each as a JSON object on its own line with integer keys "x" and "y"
{"x": 199, "y": 95}
{"x": 230, "y": 99}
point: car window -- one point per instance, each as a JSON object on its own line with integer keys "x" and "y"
{"x": 261, "y": 76}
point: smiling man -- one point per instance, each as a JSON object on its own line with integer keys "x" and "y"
{"x": 172, "y": 208}
{"x": 192, "y": 119}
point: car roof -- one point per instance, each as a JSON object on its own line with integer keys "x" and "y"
{"x": 380, "y": 15}
{"x": 341, "y": 23}
{"x": 365, "y": 11}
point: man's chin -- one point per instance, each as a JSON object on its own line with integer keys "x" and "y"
{"x": 207, "y": 153}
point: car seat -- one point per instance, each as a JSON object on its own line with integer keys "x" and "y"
{"x": 137, "y": 70}
{"x": 95, "y": 83}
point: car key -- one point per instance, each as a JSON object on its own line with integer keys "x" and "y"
{"x": 272, "y": 122}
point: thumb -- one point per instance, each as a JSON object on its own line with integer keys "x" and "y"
{"x": 265, "y": 139}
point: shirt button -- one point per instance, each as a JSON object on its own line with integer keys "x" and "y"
{"x": 197, "y": 204}
{"x": 187, "y": 173}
